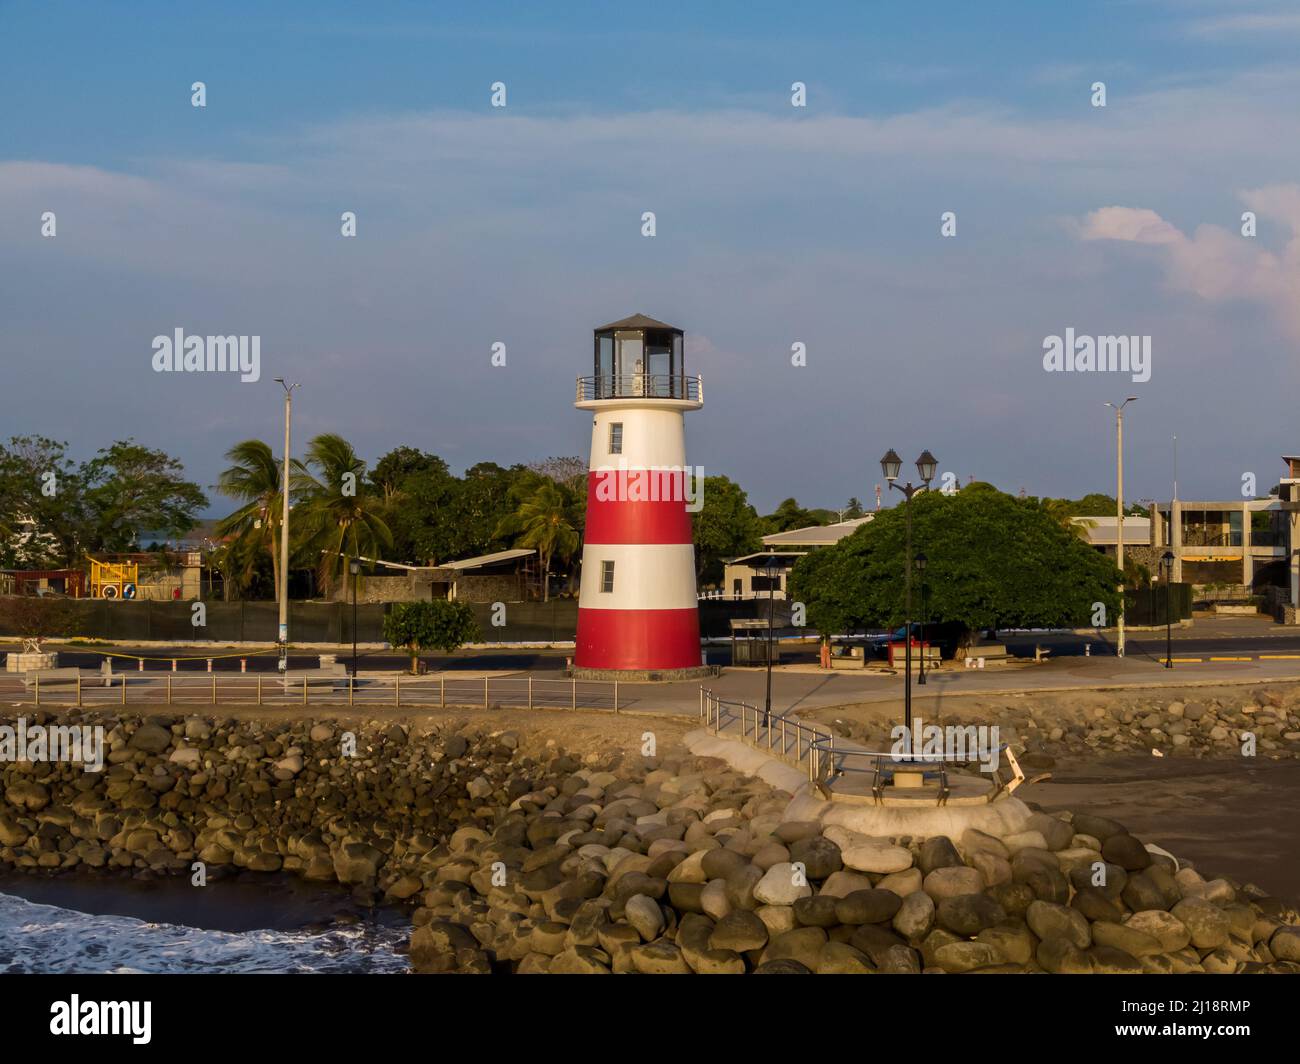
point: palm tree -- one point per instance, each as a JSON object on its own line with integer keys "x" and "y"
{"x": 253, "y": 479}
{"x": 340, "y": 512}
{"x": 541, "y": 522}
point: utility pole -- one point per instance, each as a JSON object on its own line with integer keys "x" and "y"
{"x": 1119, "y": 513}
{"x": 283, "y": 637}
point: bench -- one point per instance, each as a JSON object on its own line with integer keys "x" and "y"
{"x": 989, "y": 653}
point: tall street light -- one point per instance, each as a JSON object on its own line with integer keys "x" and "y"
{"x": 891, "y": 465}
{"x": 283, "y": 639}
{"x": 1167, "y": 562}
{"x": 772, "y": 565}
{"x": 920, "y": 568}
{"x": 1119, "y": 512}
{"x": 355, "y": 566}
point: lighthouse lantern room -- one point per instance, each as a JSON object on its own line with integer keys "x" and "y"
{"x": 638, "y": 614}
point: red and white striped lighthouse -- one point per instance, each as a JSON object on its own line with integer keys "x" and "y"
{"x": 637, "y": 610}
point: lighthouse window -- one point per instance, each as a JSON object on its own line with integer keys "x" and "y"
{"x": 616, "y": 437}
{"x": 607, "y": 577}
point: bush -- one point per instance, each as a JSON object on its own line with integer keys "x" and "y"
{"x": 438, "y": 625}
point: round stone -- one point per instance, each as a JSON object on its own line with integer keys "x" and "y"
{"x": 969, "y": 914}
{"x": 867, "y": 907}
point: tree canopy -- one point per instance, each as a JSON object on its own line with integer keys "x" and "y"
{"x": 993, "y": 561}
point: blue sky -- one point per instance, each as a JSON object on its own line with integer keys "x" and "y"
{"x": 776, "y": 225}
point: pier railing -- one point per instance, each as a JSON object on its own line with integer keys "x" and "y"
{"x": 641, "y": 386}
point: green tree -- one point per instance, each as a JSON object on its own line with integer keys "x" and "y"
{"x": 438, "y": 625}
{"x": 994, "y": 561}
{"x": 340, "y": 515}
{"x": 725, "y": 526}
{"x": 542, "y": 523}
{"x": 253, "y": 478}
{"x": 853, "y": 509}
{"x": 787, "y": 516}
{"x": 42, "y": 505}
{"x": 400, "y": 464}
{"x": 132, "y": 489}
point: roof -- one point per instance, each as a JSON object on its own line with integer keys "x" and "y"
{"x": 816, "y": 535}
{"x": 488, "y": 559}
{"x": 767, "y": 554}
{"x": 638, "y": 321}
{"x": 1100, "y": 531}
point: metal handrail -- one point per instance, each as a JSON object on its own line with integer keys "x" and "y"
{"x": 641, "y": 386}
{"x": 718, "y": 713}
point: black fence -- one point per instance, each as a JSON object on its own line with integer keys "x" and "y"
{"x": 1159, "y": 604}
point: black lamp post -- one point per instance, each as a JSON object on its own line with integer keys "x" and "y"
{"x": 920, "y": 568}
{"x": 772, "y": 565}
{"x": 891, "y": 465}
{"x": 1167, "y": 563}
{"x": 355, "y": 566}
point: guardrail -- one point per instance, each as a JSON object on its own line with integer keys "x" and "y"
{"x": 785, "y": 737}
{"x": 801, "y": 744}
{"x": 315, "y": 689}
{"x": 641, "y": 386}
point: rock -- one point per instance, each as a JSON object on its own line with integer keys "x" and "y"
{"x": 842, "y": 884}
{"x": 881, "y": 858}
{"x": 782, "y": 966}
{"x": 579, "y": 960}
{"x": 436, "y": 946}
{"x": 915, "y": 916}
{"x": 951, "y": 882}
{"x": 1153, "y": 888}
{"x": 1165, "y": 928}
{"x": 867, "y": 907}
{"x": 938, "y": 852}
{"x": 1099, "y": 827}
{"x": 740, "y": 886}
{"x": 189, "y": 756}
{"x": 1205, "y": 922}
{"x": 151, "y": 738}
{"x": 839, "y": 958}
{"x": 992, "y": 868}
{"x": 967, "y": 956}
{"x": 645, "y": 915}
{"x": 901, "y": 883}
{"x": 479, "y": 787}
{"x": 819, "y": 856}
{"x": 1107, "y": 960}
{"x": 1015, "y": 943}
{"x": 1124, "y": 850}
{"x": 778, "y": 886}
{"x": 803, "y": 944}
{"x": 740, "y": 931}
{"x": 1060, "y": 956}
{"x": 900, "y": 960}
{"x": 969, "y": 914}
{"x": 713, "y": 899}
{"x": 1133, "y": 942}
{"x": 1049, "y": 920}
{"x": 659, "y": 958}
{"x": 1285, "y": 944}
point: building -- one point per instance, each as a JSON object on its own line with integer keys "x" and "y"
{"x": 752, "y": 575}
{"x": 505, "y": 576}
{"x": 637, "y": 608}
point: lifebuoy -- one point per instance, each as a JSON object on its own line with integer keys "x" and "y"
{"x": 108, "y": 591}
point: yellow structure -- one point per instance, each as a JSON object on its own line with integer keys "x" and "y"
{"x": 113, "y": 579}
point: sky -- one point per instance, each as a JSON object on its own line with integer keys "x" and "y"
{"x": 775, "y": 225}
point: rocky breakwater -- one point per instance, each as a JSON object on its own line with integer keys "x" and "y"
{"x": 692, "y": 868}
{"x": 367, "y": 805}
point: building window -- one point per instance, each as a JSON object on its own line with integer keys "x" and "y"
{"x": 616, "y": 437}
{"x": 606, "y": 577}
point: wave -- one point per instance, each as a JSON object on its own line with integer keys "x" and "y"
{"x": 38, "y": 938}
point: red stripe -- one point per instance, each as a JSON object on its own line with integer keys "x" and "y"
{"x": 638, "y": 639}
{"x": 620, "y": 510}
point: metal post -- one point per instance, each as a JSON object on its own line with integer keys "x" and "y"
{"x": 615, "y": 696}
{"x": 397, "y": 690}
{"x": 304, "y": 689}
{"x": 123, "y": 688}
{"x": 38, "y": 688}
{"x": 352, "y": 680}
{"x": 530, "y": 692}
{"x": 907, "y": 625}
{"x": 78, "y": 688}
{"x": 259, "y": 688}
{"x": 574, "y": 705}
{"x": 169, "y": 687}
{"x": 485, "y": 693}
{"x": 442, "y": 692}
{"x": 214, "y": 688}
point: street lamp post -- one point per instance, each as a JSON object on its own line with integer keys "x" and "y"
{"x": 355, "y": 566}
{"x": 1167, "y": 561}
{"x": 891, "y": 465}
{"x": 283, "y": 635}
{"x": 1119, "y": 512}
{"x": 772, "y": 565}
{"x": 920, "y": 568}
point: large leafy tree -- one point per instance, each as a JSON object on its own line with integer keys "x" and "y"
{"x": 42, "y": 505}
{"x": 994, "y": 561}
{"x": 130, "y": 488}
{"x": 542, "y": 523}
{"x": 339, "y": 515}
{"x": 253, "y": 478}
{"x": 725, "y": 526}
{"x": 789, "y": 515}
{"x": 401, "y": 463}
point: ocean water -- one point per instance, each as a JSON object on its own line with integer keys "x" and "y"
{"x": 42, "y": 938}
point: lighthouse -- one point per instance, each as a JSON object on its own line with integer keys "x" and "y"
{"x": 638, "y": 616}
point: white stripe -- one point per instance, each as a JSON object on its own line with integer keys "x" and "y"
{"x": 650, "y": 438}
{"x": 657, "y": 576}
